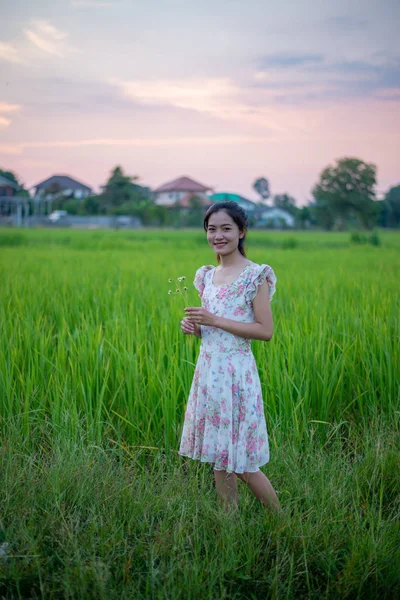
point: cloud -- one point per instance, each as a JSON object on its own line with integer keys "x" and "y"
{"x": 345, "y": 22}
{"x": 289, "y": 60}
{"x": 219, "y": 97}
{"x": 11, "y": 149}
{"x": 303, "y": 80}
{"x": 10, "y": 53}
{"x": 90, "y": 4}
{"x": 165, "y": 142}
{"x": 47, "y": 38}
{"x": 7, "y": 108}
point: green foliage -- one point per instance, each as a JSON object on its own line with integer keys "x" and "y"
{"x": 358, "y": 237}
{"x": 84, "y": 521}
{"x": 374, "y": 239}
{"x": 392, "y": 205}
{"x": 94, "y": 379}
{"x": 348, "y": 188}
{"x": 261, "y": 186}
{"x": 121, "y": 196}
{"x": 286, "y": 202}
{"x": 101, "y": 303}
{"x": 304, "y": 217}
{"x": 289, "y": 243}
{"x": 22, "y": 192}
{"x": 10, "y": 176}
{"x": 92, "y": 205}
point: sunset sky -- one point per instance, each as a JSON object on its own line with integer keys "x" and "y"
{"x": 224, "y": 91}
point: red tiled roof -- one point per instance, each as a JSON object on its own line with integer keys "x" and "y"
{"x": 182, "y": 184}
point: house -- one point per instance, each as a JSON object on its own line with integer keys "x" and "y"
{"x": 62, "y": 185}
{"x": 276, "y": 217}
{"x": 248, "y": 205}
{"x": 181, "y": 190}
{"x": 14, "y": 203}
{"x": 7, "y": 187}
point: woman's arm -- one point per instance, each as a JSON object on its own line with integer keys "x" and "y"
{"x": 261, "y": 329}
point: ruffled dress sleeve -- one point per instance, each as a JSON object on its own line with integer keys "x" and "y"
{"x": 257, "y": 276}
{"x": 199, "y": 279}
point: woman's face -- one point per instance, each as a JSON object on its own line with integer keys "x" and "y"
{"x": 223, "y": 234}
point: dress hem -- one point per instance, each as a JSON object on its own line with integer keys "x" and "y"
{"x": 227, "y": 470}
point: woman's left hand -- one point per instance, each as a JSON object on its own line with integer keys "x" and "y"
{"x": 201, "y": 316}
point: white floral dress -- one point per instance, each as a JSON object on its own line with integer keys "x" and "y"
{"x": 224, "y": 420}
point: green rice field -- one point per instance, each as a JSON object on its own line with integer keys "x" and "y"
{"x": 94, "y": 375}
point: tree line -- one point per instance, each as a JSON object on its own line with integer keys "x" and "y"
{"x": 343, "y": 197}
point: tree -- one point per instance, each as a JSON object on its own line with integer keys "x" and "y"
{"x": 261, "y": 186}
{"x": 117, "y": 190}
{"x": 14, "y": 179}
{"x": 91, "y": 205}
{"x": 392, "y": 206}
{"x": 348, "y": 189}
{"x": 304, "y": 217}
{"x": 322, "y": 214}
{"x": 121, "y": 195}
{"x": 286, "y": 202}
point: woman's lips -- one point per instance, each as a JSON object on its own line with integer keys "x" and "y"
{"x": 220, "y": 244}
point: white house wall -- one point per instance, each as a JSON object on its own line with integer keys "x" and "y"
{"x": 169, "y": 198}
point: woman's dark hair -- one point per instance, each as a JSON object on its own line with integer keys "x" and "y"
{"x": 236, "y": 213}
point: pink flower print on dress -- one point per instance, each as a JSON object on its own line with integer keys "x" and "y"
{"x": 231, "y": 369}
{"x": 201, "y": 426}
{"x": 215, "y": 420}
{"x": 224, "y": 457}
{"x": 248, "y": 377}
{"x": 251, "y": 446}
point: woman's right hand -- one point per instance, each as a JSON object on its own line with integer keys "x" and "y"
{"x": 188, "y": 327}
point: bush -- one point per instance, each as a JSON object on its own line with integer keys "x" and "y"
{"x": 361, "y": 238}
{"x": 374, "y": 239}
{"x": 289, "y": 244}
{"x": 358, "y": 238}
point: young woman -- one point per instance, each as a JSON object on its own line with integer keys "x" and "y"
{"x": 224, "y": 420}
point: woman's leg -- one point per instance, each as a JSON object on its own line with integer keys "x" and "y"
{"x": 226, "y": 485}
{"x": 261, "y": 487}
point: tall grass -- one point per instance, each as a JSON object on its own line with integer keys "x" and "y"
{"x": 91, "y": 331}
{"x": 94, "y": 379}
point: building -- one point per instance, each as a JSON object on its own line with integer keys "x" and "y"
{"x": 181, "y": 190}
{"x": 14, "y": 203}
{"x": 248, "y": 205}
{"x": 8, "y": 188}
{"x": 276, "y": 217}
{"x": 57, "y": 185}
